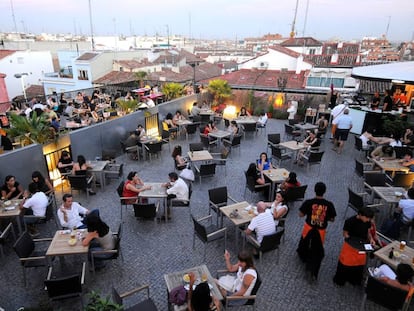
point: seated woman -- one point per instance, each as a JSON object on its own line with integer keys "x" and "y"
{"x": 244, "y": 281}
{"x": 177, "y": 117}
{"x": 81, "y": 165}
{"x": 278, "y": 208}
{"x": 180, "y": 161}
{"x": 210, "y": 127}
{"x": 132, "y": 187}
{"x": 290, "y": 182}
{"x": 233, "y": 129}
{"x": 42, "y": 183}
{"x": 308, "y": 142}
{"x": 252, "y": 172}
{"x": 11, "y": 189}
{"x": 402, "y": 278}
{"x": 264, "y": 164}
{"x": 243, "y": 112}
{"x": 169, "y": 120}
{"x": 201, "y": 299}
{"x": 99, "y": 237}
{"x": 384, "y": 153}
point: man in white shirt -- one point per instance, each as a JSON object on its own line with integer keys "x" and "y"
{"x": 34, "y": 203}
{"x": 177, "y": 189}
{"x": 343, "y": 126}
{"x": 262, "y": 119}
{"x": 70, "y": 212}
{"x": 263, "y": 224}
{"x": 407, "y": 207}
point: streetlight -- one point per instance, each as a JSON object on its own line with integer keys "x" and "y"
{"x": 21, "y": 77}
{"x": 193, "y": 64}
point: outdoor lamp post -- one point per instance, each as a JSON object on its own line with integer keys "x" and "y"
{"x": 21, "y": 77}
{"x": 193, "y": 64}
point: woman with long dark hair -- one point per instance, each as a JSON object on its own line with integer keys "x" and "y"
{"x": 42, "y": 183}
{"x": 81, "y": 165}
{"x": 180, "y": 162}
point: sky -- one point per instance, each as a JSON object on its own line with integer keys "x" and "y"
{"x": 213, "y": 19}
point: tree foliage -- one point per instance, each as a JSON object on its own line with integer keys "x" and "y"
{"x": 220, "y": 89}
{"x": 172, "y": 90}
{"x": 140, "y": 76}
{"x": 35, "y": 129}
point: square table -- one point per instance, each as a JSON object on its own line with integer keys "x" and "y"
{"x": 243, "y": 218}
{"x": 406, "y": 256}
{"x": 387, "y": 194}
{"x": 13, "y": 211}
{"x": 246, "y": 120}
{"x": 305, "y": 127}
{"x": 219, "y": 134}
{"x": 60, "y": 244}
{"x": 202, "y": 155}
{"x": 181, "y": 124}
{"x": 174, "y": 279}
{"x": 276, "y": 176}
{"x": 391, "y": 165}
{"x": 98, "y": 168}
{"x": 146, "y": 140}
{"x": 294, "y": 146}
{"x": 157, "y": 191}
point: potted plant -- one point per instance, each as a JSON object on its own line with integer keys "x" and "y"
{"x": 172, "y": 90}
{"x": 127, "y": 106}
{"x": 98, "y": 303}
{"x": 221, "y": 90}
{"x": 270, "y": 111}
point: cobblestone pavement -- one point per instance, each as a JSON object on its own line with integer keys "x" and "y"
{"x": 151, "y": 249}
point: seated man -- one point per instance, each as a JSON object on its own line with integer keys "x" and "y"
{"x": 401, "y": 278}
{"x": 177, "y": 189}
{"x": 195, "y": 111}
{"x": 263, "y": 224}
{"x": 408, "y": 160}
{"x": 262, "y": 119}
{"x": 34, "y": 203}
{"x": 406, "y": 206}
{"x": 383, "y": 152}
{"x": 70, "y": 212}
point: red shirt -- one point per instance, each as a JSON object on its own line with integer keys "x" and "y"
{"x": 128, "y": 193}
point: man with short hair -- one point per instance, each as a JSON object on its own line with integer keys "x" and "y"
{"x": 69, "y": 213}
{"x": 343, "y": 126}
{"x": 263, "y": 224}
{"x": 176, "y": 189}
{"x": 406, "y": 206}
{"x": 34, "y": 203}
{"x": 195, "y": 111}
{"x": 318, "y": 212}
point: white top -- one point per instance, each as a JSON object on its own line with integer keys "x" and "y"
{"x": 239, "y": 280}
{"x": 407, "y": 206}
{"x": 292, "y": 111}
{"x": 263, "y": 224}
{"x": 38, "y": 203}
{"x": 179, "y": 188}
{"x": 150, "y": 103}
{"x": 364, "y": 140}
{"x": 344, "y": 122}
{"x": 338, "y": 110}
{"x": 278, "y": 207}
{"x": 263, "y": 119}
{"x": 74, "y": 220}
{"x": 38, "y": 105}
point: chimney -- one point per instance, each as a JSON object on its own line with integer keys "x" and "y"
{"x": 4, "y": 97}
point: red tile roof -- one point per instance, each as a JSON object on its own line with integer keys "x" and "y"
{"x": 263, "y": 78}
{"x": 116, "y": 77}
{"x": 282, "y": 49}
{"x": 133, "y": 64}
{"x": 305, "y": 41}
{"x": 5, "y": 53}
{"x": 87, "y": 56}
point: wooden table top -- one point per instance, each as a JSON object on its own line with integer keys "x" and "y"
{"x": 202, "y": 155}
{"x": 406, "y": 256}
{"x": 391, "y": 165}
{"x": 292, "y": 145}
{"x": 388, "y": 193}
{"x": 306, "y": 126}
{"x": 183, "y": 122}
{"x": 207, "y": 112}
{"x": 156, "y": 191}
{"x": 244, "y": 216}
{"x": 175, "y": 279}
{"x": 219, "y": 134}
{"x": 60, "y": 244}
{"x": 276, "y": 175}
{"x": 13, "y": 209}
{"x": 246, "y": 120}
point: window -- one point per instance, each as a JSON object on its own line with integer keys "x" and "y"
{"x": 325, "y": 82}
{"x": 83, "y": 75}
{"x": 312, "y": 51}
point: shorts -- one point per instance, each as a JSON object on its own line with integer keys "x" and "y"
{"x": 341, "y": 134}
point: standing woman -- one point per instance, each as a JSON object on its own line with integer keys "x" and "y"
{"x": 351, "y": 263}
{"x": 42, "y": 183}
{"x": 11, "y": 189}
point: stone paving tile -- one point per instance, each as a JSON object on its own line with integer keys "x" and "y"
{"x": 152, "y": 249}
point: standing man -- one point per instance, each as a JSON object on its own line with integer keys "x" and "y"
{"x": 69, "y": 213}
{"x": 343, "y": 126}
{"x": 318, "y": 212}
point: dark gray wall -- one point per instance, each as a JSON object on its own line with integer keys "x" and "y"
{"x": 21, "y": 163}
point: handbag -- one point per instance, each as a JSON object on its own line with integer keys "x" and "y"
{"x": 178, "y": 295}
{"x": 187, "y": 174}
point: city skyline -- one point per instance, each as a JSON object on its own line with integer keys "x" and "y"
{"x": 213, "y": 19}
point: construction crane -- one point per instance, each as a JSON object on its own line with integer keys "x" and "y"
{"x": 292, "y": 32}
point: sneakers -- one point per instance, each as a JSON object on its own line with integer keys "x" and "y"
{"x": 91, "y": 192}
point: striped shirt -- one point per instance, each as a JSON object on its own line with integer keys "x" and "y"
{"x": 263, "y": 224}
